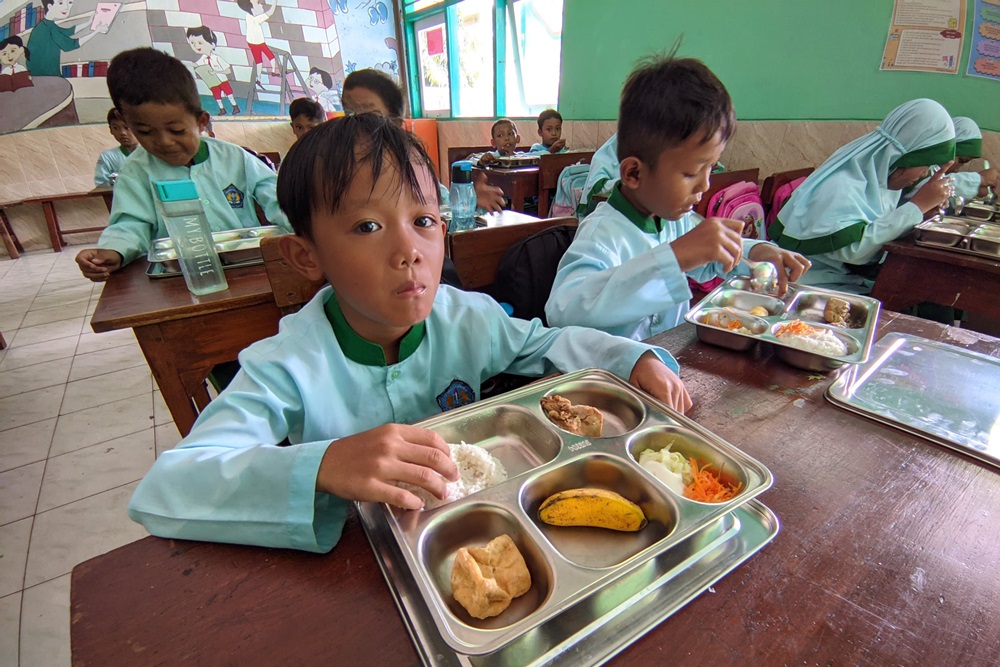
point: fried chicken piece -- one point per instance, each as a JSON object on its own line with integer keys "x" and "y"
{"x": 580, "y": 419}
{"x": 837, "y": 312}
{"x": 484, "y": 580}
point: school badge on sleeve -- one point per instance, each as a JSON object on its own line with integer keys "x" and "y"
{"x": 455, "y": 395}
{"x": 233, "y": 195}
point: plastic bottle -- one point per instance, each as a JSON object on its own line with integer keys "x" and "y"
{"x": 463, "y": 197}
{"x": 179, "y": 204}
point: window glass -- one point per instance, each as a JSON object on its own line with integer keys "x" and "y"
{"x": 534, "y": 36}
{"x": 432, "y": 52}
{"x": 475, "y": 58}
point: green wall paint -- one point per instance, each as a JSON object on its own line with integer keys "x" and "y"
{"x": 780, "y": 59}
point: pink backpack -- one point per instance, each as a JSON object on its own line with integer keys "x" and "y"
{"x": 781, "y": 195}
{"x": 740, "y": 201}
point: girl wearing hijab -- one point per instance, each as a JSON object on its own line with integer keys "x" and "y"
{"x": 845, "y": 211}
{"x": 968, "y": 147}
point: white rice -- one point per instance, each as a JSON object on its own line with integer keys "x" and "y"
{"x": 478, "y": 470}
{"x": 821, "y": 341}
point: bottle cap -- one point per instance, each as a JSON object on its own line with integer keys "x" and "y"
{"x": 182, "y": 190}
{"x": 461, "y": 172}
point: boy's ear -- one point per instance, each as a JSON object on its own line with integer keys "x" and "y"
{"x": 203, "y": 120}
{"x": 631, "y": 171}
{"x": 301, "y": 254}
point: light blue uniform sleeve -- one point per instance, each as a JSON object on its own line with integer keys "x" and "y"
{"x": 263, "y": 182}
{"x": 133, "y": 224}
{"x": 887, "y": 228}
{"x": 103, "y": 171}
{"x": 967, "y": 184}
{"x": 538, "y": 148}
{"x": 228, "y": 483}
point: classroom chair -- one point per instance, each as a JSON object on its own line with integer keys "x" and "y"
{"x": 10, "y": 241}
{"x": 290, "y": 288}
{"x": 550, "y": 166}
{"x": 721, "y": 180}
{"x": 779, "y": 178}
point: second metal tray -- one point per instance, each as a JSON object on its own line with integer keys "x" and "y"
{"x": 964, "y": 235}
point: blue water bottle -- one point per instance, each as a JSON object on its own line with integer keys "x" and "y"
{"x": 463, "y": 197}
{"x": 180, "y": 207}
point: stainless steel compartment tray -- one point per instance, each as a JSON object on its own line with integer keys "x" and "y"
{"x": 568, "y": 565}
{"x": 964, "y": 235}
{"x": 596, "y": 629}
{"x": 234, "y": 246}
{"x": 944, "y": 393}
{"x": 802, "y": 302}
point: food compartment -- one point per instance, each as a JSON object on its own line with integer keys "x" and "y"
{"x": 475, "y": 526}
{"x": 985, "y": 240}
{"x": 747, "y": 301}
{"x": 593, "y": 547}
{"x": 690, "y": 444}
{"x": 817, "y": 307}
{"x": 621, "y": 411}
{"x": 819, "y": 356}
{"x": 514, "y": 435}
{"x": 239, "y": 250}
{"x": 948, "y": 232}
{"x": 979, "y": 211}
{"x": 265, "y": 231}
{"x": 741, "y": 283}
{"x": 728, "y": 328}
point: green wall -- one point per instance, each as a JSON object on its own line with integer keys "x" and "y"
{"x": 780, "y": 59}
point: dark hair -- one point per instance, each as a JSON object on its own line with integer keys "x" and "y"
{"x": 15, "y": 40}
{"x": 379, "y": 83}
{"x": 303, "y": 106}
{"x": 318, "y": 170}
{"x": 665, "y": 101}
{"x": 46, "y": 4}
{"x": 323, "y": 75}
{"x": 547, "y": 114}
{"x": 245, "y": 5}
{"x": 145, "y": 75}
{"x": 500, "y": 122}
{"x": 115, "y": 116}
{"x": 202, "y": 31}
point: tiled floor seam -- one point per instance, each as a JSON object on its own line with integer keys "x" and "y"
{"x": 75, "y": 500}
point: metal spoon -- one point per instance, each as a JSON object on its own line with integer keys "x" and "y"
{"x": 763, "y": 277}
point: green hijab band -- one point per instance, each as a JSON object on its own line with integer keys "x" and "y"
{"x": 969, "y": 148}
{"x": 937, "y": 154}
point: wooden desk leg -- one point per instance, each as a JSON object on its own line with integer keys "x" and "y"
{"x": 14, "y": 247}
{"x": 108, "y": 197}
{"x": 158, "y": 356}
{"x": 517, "y": 200}
{"x": 53, "y": 223}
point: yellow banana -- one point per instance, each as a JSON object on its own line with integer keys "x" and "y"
{"x": 592, "y": 507}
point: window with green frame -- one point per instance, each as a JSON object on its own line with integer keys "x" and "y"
{"x": 482, "y": 58}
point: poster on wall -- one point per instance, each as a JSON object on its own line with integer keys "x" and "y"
{"x": 925, "y": 36}
{"x": 984, "y": 60}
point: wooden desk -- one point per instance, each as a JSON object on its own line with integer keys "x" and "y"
{"x": 887, "y": 555}
{"x": 516, "y": 183}
{"x": 182, "y": 335}
{"x": 913, "y": 274}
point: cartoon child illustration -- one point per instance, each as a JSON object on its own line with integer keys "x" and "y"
{"x": 13, "y": 75}
{"x": 48, "y": 40}
{"x": 256, "y": 15}
{"x": 321, "y": 83}
{"x": 211, "y": 68}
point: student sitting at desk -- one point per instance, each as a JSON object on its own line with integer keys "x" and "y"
{"x": 305, "y": 114}
{"x": 383, "y": 346}
{"x": 504, "y": 139}
{"x": 626, "y": 271}
{"x": 159, "y": 100}
{"x": 550, "y": 124}
{"x": 111, "y": 161}
{"x": 968, "y": 147}
{"x": 845, "y": 211}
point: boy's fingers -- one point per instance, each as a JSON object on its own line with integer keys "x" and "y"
{"x": 429, "y": 451}
{"x": 421, "y": 476}
{"x": 397, "y": 497}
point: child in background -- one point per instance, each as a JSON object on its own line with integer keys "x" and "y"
{"x": 550, "y": 132}
{"x": 158, "y": 99}
{"x": 504, "y": 139}
{"x": 210, "y": 67}
{"x": 968, "y": 147}
{"x": 305, "y": 114}
{"x": 381, "y": 347}
{"x": 603, "y": 176}
{"x": 845, "y": 211}
{"x": 627, "y": 270}
{"x": 110, "y": 162}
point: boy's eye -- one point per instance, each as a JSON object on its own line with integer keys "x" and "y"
{"x": 367, "y": 227}
{"x": 425, "y": 221}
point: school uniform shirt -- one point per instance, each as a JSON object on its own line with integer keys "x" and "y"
{"x": 317, "y": 381}
{"x": 542, "y": 148}
{"x": 620, "y": 274}
{"x": 604, "y": 173}
{"x": 109, "y": 162}
{"x": 228, "y": 179}
{"x": 844, "y": 212}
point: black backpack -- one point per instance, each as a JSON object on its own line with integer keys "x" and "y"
{"x": 528, "y": 268}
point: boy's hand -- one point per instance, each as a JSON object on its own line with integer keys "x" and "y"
{"x": 98, "y": 264}
{"x": 557, "y": 145}
{"x": 653, "y": 377}
{"x": 935, "y": 191}
{"x": 790, "y": 265}
{"x": 713, "y": 240}
{"x": 989, "y": 178}
{"x": 487, "y": 158}
{"x": 367, "y": 466}
{"x": 488, "y": 197}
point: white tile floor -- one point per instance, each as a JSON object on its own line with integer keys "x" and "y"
{"x": 80, "y": 423}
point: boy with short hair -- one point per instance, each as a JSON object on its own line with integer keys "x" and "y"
{"x": 305, "y": 114}
{"x": 626, "y": 271}
{"x": 158, "y": 99}
{"x": 550, "y": 124}
{"x": 110, "y": 162}
{"x": 383, "y": 346}
{"x": 504, "y": 139}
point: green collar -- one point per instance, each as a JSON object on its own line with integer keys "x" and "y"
{"x": 648, "y": 224}
{"x": 364, "y": 352}
{"x": 125, "y": 152}
{"x": 202, "y": 153}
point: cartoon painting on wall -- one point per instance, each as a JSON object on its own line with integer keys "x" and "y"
{"x": 250, "y": 58}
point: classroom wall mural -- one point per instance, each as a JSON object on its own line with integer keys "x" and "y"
{"x": 250, "y": 58}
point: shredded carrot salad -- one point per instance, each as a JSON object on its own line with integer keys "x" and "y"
{"x": 796, "y": 327}
{"x": 706, "y": 487}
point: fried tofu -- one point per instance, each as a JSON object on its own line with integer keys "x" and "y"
{"x": 484, "y": 580}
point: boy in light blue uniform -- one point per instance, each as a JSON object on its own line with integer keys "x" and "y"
{"x": 382, "y": 347}
{"x": 627, "y": 270}
{"x": 603, "y": 176}
{"x": 111, "y": 161}
{"x": 160, "y": 103}
{"x": 845, "y": 211}
{"x": 550, "y": 124}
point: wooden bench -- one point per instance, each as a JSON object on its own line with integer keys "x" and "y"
{"x": 56, "y": 233}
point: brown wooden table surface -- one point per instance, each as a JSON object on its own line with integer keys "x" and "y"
{"x": 888, "y": 554}
{"x": 913, "y": 274}
{"x": 516, "y": 183}
{"x": 182, "y": 335}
